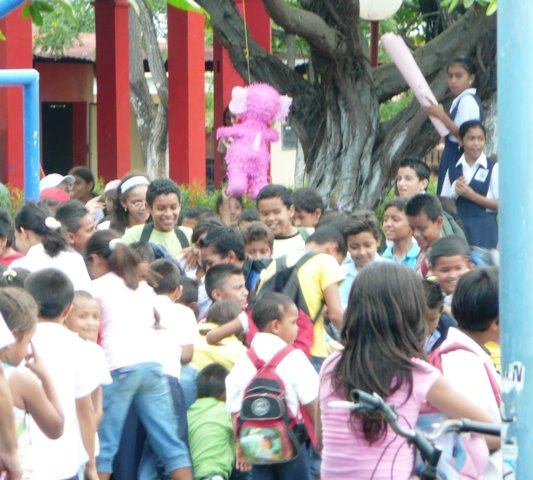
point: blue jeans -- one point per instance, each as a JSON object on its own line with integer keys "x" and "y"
{"x": 149, "y": 467}
{"x": 188, "y": 383}
{"x": 147, "y": 388}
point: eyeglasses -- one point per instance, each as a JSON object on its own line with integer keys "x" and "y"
{"x": 138, "y": 203}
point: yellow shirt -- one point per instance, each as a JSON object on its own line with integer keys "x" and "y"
{"x": 315, "y": 275}
{"x": 226, "y": 352}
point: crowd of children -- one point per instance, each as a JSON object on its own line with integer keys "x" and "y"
{"x": 139, "y": 341}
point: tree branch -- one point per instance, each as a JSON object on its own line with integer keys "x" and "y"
{"x": 308, "y": 102}
{"x": 155, "y": 60}
{"x": 456, "y": 40}
{"x": 301, "y": 22}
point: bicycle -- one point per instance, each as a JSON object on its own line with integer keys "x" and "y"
{"x": 423, "y": 441}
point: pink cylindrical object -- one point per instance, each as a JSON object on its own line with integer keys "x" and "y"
{"x": 404, "y": 61}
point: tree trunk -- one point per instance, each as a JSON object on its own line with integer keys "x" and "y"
{"x": 152, "y": 119}
{"x": 350, "y": 156}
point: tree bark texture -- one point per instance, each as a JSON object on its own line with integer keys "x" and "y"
{"x": 152, "y": 118}
{"x": 350, "y": 155}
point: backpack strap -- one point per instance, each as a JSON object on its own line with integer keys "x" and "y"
{"x": 182, "y": 238}
{"x": 148, "y": 228}
{"x": 146, "y": 232}
{"x": 306, "y": 256}
{"x": 274, "y": 361}
{"x": 436, "y": 360}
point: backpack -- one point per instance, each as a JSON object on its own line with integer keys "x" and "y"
{"x": 463, "y": 456}
{"x": 285, "y": 280}
{"x": 266, "y": 427}
{"x": 149, "y": 228}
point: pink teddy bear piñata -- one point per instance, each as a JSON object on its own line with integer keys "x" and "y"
{"x": 248, "y": 156}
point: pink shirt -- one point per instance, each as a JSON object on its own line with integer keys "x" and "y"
{"x": 347, "y": 455}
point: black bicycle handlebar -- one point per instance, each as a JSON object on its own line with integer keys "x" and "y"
{"x": 422, "y": 441}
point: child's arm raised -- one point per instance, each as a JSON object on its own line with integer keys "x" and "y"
{"x": 437, "y": 111}
{"x": 40, "y": 400}
{"x": 233, "y": 327}
{"x": 455, "y": 405}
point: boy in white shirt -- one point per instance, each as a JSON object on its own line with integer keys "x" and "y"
{"x": 68, "y": 361}
{"x": 275, "y": 316}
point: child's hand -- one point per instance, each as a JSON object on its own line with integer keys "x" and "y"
{"x": 191, "y": 256}
{"x": 240, "y": 461}
{"x": 462, "y": 188}
{"x": 10, "y": 467}
{"x": 90, "y": 473}
{"x": 435, "y": 110}
{"x": 34, "y": 362}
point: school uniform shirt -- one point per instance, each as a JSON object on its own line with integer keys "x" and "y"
{"x": 296, "y": 371}
{"x": 128, "y": 335}
{"x": 410, "y": 257}
{"x": 350, "y": 272}
{"x": 71, "y": 263}
{"x": 70, "y": 365}
{"x": 168, "y": 240}
{"x": 177, "y": 327}
{"x": 467, "y": 109}
{"x": 100, "y": 373}
{"x": 478, "y": 171}
{"x": 465, "y": 371}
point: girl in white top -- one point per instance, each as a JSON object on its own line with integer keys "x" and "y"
{"x": 129, "y": 340}
{"x": 40, "y": 237}
{"x": 32, "y": 388}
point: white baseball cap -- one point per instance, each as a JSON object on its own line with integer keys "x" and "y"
{"x": 53, "y": 180}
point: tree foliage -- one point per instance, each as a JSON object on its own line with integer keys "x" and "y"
{"x": 60, "y": 23}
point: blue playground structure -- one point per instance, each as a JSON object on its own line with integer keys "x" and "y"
{"x": 29, "y": 81}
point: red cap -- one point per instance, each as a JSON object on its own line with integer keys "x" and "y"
{"x": 57, "y": 194}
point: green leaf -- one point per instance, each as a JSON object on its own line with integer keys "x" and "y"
{"x": 36, "y": 14}
{"x": 188, "y": 5}
{"x": 43, "y": 6}
{"x": 67, "y": 7}
{"x": 26, "y": 11}
{"x": 453, "y": 5}
{"x": 493, "y": 6}
{"x": 135, "y": 6}
{"x": 2, "y": 36}
{"x": 468, "y": 3}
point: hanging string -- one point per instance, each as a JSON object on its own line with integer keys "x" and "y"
{"x": 246, "y": 47}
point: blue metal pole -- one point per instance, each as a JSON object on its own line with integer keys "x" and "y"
{"x": 515, "y": 97}
{"x": 32, "y": 142}
{"x": 29, "y": 80}
{"x": 7, "y": 6}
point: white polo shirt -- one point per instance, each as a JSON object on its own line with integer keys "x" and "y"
{"x": 298, "y": 375}
{"x": 69, "y": 262}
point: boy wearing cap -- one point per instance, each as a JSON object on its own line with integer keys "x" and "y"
{"x": 56, "y": 180}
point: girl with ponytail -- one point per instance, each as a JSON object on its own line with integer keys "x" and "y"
{"x": 40, "y": 237}
{"x": 129, "y": 340}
